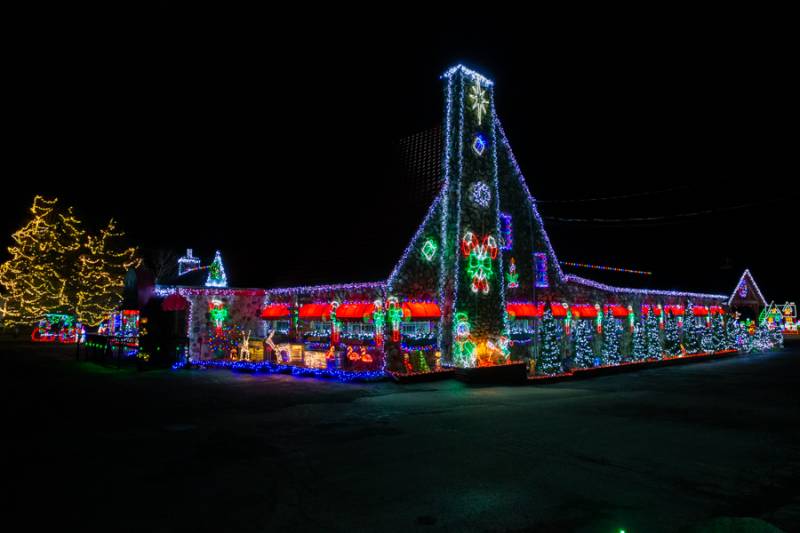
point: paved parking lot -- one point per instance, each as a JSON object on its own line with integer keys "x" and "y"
{"x": 657, "y": 450}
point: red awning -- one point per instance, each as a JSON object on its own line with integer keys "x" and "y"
{"x": 646, "y": 310}
{"x": 675, "y": 310}
{"x": 421, "y": 311}
{"x": 717, "y": 310}
{"x": 354, "y": 311}
{"x": 699, "y": 311}
{"x": 618, "y": 311}
{"x": 175, "y": 302}
{"x": 275, "y": 311}
{"x": 558, "y": 310}
{"x": 315, "y": 311}
{"x": 521, "y": 311}
{"x": 583, "y": 311}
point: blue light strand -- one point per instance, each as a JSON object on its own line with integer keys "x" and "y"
{"x": 297, "y": 371}
{"x": 496, "y": 180}
{"x": 445, "y": 204}
{"x": 412, "y": 245}
{"x": 449, "y": 73}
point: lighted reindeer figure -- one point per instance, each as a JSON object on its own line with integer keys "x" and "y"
{"x": 244, "y": 351}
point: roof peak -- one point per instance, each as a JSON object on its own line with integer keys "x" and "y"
{"x": 468, "y": 73}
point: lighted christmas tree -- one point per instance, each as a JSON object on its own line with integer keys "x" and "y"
{"x": 55, "y": 267}
{"x": 549, "y": 360}
{"x": 216, "y": 273}
{"x": 639, "y": 341}
{"x": 584, "y": 354}
{"x": 719, "y": 337}
{"x": 777, "y": 338}
{"x": 42, "y": 264}
{"x": 732, "y": 332}
{"x": 101, "y": 273}
{"x": 612, "y": 335}
{"x": 653, "y": 334}
{"x": 672, "y": 336}
{"x": 692, "y": 335}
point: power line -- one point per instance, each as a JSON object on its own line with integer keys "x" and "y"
{"x": 657, "y": 218}
{"x": 618, "y": 197}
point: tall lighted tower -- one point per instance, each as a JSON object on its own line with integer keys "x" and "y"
{"x": 471, "y": 282}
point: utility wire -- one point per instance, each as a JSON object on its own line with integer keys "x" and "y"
{"x": 655, "y": 219}
{"x": 606, "y": 198}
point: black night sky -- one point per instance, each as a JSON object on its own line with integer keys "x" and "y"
{"x": 272, "y": 139}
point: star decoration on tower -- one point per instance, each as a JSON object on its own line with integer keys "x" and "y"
{"x": 477, "y": 96}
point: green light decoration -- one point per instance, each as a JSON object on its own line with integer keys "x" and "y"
{"x": 429, "y": 249}
{"x": 513, "y": 276}
{"x": 216, "y": 273}
{"x": 465, "y": 346}
{"x": 422, "y": 363}
{"x": 218, "y": 314}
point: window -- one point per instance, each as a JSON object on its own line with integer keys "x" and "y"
{"x": 358, "y": 330}
{"x": 418, "y": 330}
{"x": 540, "y": 263}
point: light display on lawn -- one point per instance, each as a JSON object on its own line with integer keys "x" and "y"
{"x": 789, "y": 313}
{"x": 58, "y": 327}
{"x": 444, "y": 305}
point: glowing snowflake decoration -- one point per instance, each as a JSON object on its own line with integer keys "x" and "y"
{"x": 481, "y": 194}
{"x": 477, "y": 97}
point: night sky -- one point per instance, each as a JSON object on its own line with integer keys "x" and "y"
{"x": 213, "y": 130}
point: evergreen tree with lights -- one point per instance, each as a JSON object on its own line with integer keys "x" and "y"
{"x": 42, "y": 264}
{"x": 584, "y": 353}
{"x": 706, "y": 336}
{"x": 653, "y": 334}
{"x": 691, "y": 338}
{"x": 639, "y": 341}
{"x": 777, "y": 338}
{"x": 549, "y": 360}
{"x": 612, "y": 335}
{"x": 732, "y": 332}
{"x": 56, "y": 267}
{"x": 672, "y": 336}
{"x": 101, "y": 273}
{"x": 216, "y": 273}
{"x": 719, "y": 336}
{"x": 762, "y": 340}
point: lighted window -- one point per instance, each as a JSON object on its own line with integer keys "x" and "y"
{"x": 540, "y": 262}
{"x": 418, "y": 329}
